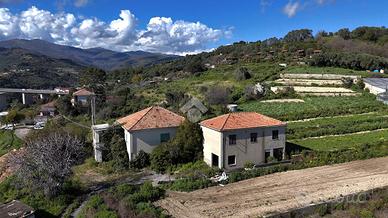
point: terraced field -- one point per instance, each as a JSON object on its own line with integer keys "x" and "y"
{"x": 337, "y": 125}
{"x": 317, "y": 107}
{"x": 330, "y": 143}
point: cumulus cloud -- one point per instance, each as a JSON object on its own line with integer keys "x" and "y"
{"x": 161, "y": 34}
{"x": 291, "y": 8}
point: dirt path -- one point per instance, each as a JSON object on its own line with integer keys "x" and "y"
{"x": 346, "y": 134}
{"x": 279, "y": 192}
{"x": 319, "y": 118}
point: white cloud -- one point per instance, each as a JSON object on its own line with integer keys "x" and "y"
{"x": 161, "y": 34}
{"x": 291, "y": 8}
{"x": 80, "y": 3}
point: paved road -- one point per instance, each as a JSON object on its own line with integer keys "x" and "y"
{"x": 279, "y": 192}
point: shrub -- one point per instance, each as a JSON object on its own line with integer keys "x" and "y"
{"x": 242, "y": 73}
{"x": 323, "y": 210}
{"x": 141, "y": 161}
{"x": 198, "y": 169}
{"x": 249, "y": 165}
{"x": 218, "y": 95}
{"x": 188, "y": 185}
{"x": 364, "y": 213}
{"x": 185, "y": 147}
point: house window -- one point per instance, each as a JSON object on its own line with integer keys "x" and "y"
{"x": 275, "y": 134}
{"x": 232, "y": 160}
{"x": 165, "y": 137}
{"x": 232, "y": 139}
{"x": 253, "y": 137}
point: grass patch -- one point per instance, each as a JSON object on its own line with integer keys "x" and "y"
{"x": 92, "y": 173}
{"x": 9, "y": 190}
{"x": 337, "y": 125}
{"x": 8, "y": 141}
{"x": 125, "y": 201}
{"x": 331, "y": 143}
{"x": 325, "y": 70}
{"x": 316, "y": 107}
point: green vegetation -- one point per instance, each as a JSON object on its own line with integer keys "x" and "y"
{"x": 330, "y": 143}
{"x": 8, "y": 141}
{"x": 325, "y": 70}
{"x": 185, "y": 147}
{"x": 307, "y": 159}
{"x": 369, "y": 205}
{"x": 316, "y": 107}
{"x": 125, "y": 201}
{"x": 337, "y": 125}
{"x": 11, "y": 189}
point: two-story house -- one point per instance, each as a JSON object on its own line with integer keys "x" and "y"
{"x": 148, "y": 128}
{"x": 82, "y": 98}
{"x": 231, "y": 140}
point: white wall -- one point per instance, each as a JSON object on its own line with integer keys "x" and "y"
{"x": 218, "y": 143}
{"x": 212, "y": 143}
{"x": 145, "y": 140}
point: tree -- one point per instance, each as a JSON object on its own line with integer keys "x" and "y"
{"x": 218, "y": 95}
{"x": 47, "y": 160}
{"x": 92, "y": 77}
{"x": 116, "y": 150}
{"x": 186, "y": 147}
{"x": 189, "y": 139}
{"x": 141, "y": 160}
{"x": 242, "y": 73}
{"x": 344, "y": 33}
{"x": 299, "y": 35}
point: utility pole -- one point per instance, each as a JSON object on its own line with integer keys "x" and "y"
{"x": 93, "y": 108}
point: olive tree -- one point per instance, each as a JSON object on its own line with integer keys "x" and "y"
{"x": 47, "y": 160}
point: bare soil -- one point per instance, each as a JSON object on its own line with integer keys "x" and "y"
{"x": 279, "y": 192}
{"x": 8, "y": 165}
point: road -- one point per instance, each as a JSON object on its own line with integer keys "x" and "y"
{"x": 279, "y": 192}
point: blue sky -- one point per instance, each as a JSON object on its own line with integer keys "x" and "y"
{"x": 223, "y": 21}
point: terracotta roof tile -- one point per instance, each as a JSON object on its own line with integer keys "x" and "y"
{"x": 241, "y": 120}
{"x": 83, "y": 92}
{"x": 151, "y": 118}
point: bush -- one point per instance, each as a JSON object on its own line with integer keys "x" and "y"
{"x": 198, "y": 169}
{"x": 141, "y": 161}
{"x": 218, "y": 95}
{"x": 242, "y": 73}
{"x": 115, "y": 149}
{"x": 364, "y": 213}
{"x": 188, "y": 185}
{"x": 125, "y": 201}
{"x": 185, "y": 147}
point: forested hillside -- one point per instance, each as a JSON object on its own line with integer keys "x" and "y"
{"x": 365, "y": 48}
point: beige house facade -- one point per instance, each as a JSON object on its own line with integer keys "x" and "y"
{"x": 232, "y": 140}
{"x": 148, "y": 128}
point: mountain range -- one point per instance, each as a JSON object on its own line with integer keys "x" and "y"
{"x": 97, "y": 57}
{"x": 41, "y": 64}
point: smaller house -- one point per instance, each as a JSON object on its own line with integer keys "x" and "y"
{"x": 16, "y": 209}
{"x": 148, "y": 128}
{"x": 48, "y": 110}
{"x": 98, "y": 145}
{"x": 234, "y": 139}
{"x": 82, "y": 97}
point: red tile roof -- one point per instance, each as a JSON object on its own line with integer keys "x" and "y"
{"x": 83, "y": 92}
{"x": 151, "y": 118}
{"x": 241, "y": 120}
